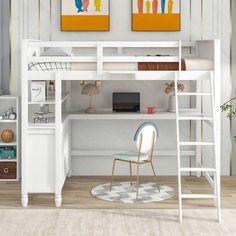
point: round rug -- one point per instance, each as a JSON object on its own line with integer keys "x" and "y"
{"x": 123, "y": 192}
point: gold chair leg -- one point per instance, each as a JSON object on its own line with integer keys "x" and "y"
{"x": 130, "y": 168}
{"x": 154, "y": 173}
{"x": 137, "y": 182}
{"x": 113, "y": 169}
{"x": 153, "y": 169}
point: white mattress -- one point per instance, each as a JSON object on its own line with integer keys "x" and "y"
{"x": 192, "y": 63}
{"x": 197, "y": 63}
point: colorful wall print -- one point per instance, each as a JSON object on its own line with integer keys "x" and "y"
{"x": 85, "y": 15}
{"x": 156, "y": 15}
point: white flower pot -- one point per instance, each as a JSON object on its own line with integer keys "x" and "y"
{"x": 172, "y": 104}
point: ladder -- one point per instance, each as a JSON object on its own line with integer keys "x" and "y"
{"x": 214, "y": 182}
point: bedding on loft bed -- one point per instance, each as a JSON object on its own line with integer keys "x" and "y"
{"x": 163, "y": 66}
{"x": 187, "y": 63}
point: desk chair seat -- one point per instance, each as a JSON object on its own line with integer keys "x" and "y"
{"x": 132, "y": 156}
{"x": 145, "y": 138}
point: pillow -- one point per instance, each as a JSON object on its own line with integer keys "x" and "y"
{"x": 57, "y": 52}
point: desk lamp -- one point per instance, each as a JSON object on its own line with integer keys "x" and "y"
{"x": 90, "y": 90}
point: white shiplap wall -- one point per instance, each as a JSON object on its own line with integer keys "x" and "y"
{"x": 201, "y": 19}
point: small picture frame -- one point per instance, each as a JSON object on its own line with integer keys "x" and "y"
{"x": 38, "y": 91}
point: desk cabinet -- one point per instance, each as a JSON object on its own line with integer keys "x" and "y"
{"x": 40, "y": 160}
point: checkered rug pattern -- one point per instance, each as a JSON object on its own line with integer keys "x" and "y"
{"x": 123, "y": 192}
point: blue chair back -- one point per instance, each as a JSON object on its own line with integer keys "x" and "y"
{"x": 149, "y": 133}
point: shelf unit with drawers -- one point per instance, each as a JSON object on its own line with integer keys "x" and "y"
{"x": 9, "y": 166}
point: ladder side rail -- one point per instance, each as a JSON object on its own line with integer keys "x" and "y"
{"x": 217, "y": 97}
{"x": 177, "y": 76}
{"x": 216, "y": 160}
{"x": 198, "y": 123}
{"x": 199, "y": 126}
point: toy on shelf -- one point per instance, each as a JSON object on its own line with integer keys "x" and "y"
{"x": 7, "y": 153}
{"x": 7, "y": 136}
{"x": 44, "y": 115}
{"x": 42, "y": 118}
{"x": 8, "y": 115}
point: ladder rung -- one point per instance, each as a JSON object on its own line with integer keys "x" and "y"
{"x": 194, "y": 94}
{"x": 196, "y": 118}
{"x": 198, "y": 196}
{"x": 196, "y": 144}
{"x": 197, "y": 169}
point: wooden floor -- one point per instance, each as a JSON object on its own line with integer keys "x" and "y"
{"x": 76, "y": 194}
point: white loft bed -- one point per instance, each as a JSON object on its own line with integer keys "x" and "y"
{"x": 46, "y": 149}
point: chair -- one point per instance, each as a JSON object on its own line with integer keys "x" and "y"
{"x": 145, "y": 138}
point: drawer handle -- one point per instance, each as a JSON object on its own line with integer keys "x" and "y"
{"x": 6, "y": 170}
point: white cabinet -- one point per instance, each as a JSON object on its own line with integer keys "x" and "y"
{"x": 40, "y": 161}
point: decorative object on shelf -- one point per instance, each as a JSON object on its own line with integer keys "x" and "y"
{"x": 38, "y": 91}
{"x": 90, "y": 90}
{"x": 7, "y": 153}
{"x": 44, "y": 115}
{"x": 170, "y": 90}
{"x": 152, "y": 110}
{"x": 8, "y": 115}
{"x": 12, "y": 114}
{"x": 166, "y": 20}
{"x": 44, "y": 109}
{"x": 171, "y": 103}
{"x": 50, "y": 89}
{"x": 7, "y": 136}
{"x": 85, "y": 15}
{"x": 43, "y": 118}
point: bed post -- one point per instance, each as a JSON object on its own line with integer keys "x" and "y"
{"x": 99, "y": 59}
{"x": 68, "y": 109}
{"x": 24, "y": 122}
{"x": 58, "y": 141}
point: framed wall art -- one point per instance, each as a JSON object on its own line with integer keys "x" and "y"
{"x": 85, "y": 15}
{"x": 156, "y": 15}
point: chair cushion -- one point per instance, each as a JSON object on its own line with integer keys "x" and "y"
{"x": 131, "y": 156}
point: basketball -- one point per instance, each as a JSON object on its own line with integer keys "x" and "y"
{"x": 7, "y": 136}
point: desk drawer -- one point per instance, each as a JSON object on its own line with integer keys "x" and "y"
{"x": 7, "y": 170}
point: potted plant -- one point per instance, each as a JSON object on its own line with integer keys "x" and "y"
{"x": 170, "y": 90}
{"x": 227, "y": 107}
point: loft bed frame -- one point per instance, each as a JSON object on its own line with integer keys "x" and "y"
{"x": 46, "y": 148}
